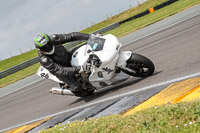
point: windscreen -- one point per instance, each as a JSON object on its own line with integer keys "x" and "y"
{"x": 96, "y": 43}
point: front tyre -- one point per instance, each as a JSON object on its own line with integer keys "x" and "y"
{"x": 139, "y": 66}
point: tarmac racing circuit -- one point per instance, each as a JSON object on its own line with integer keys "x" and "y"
{"x": 173, "y": 45}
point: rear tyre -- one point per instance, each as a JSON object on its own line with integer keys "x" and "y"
{"x": 83, "y": 93}
{"x": 139, "y": 66}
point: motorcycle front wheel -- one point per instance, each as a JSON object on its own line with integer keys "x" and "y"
{"x": 139, "y": 66}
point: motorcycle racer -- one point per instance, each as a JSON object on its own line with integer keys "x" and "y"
{"x": 55, "y": 58}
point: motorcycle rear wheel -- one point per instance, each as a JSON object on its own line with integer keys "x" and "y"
{"x": 139, "y": 66}
{"x": 83, "y": 93}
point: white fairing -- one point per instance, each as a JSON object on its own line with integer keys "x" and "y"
{"x": 123, "y": 57}
{"x": 110, "y": 57}
{"x": 43, "y": 72}
{"x": 79, "y": 57}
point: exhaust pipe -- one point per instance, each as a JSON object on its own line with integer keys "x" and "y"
{"x": 56, "y": 90}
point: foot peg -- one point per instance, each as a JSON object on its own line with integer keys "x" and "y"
{"x": 56, "y": 90}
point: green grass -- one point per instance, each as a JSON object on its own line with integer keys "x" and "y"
{"x": 124, "y": 29}
{"x": 124, "y": 15}
{"x": 15, "y": 60}
{"x": 171, "y": 118}
{"x": 158, "y": 15}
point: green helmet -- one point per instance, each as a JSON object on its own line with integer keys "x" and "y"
{"x": 42, "y": 43}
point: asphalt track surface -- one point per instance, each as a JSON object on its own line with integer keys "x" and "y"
{"x": 175, "y": 51}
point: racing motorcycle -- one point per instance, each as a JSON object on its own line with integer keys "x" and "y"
{"x": 102, "y": 64}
